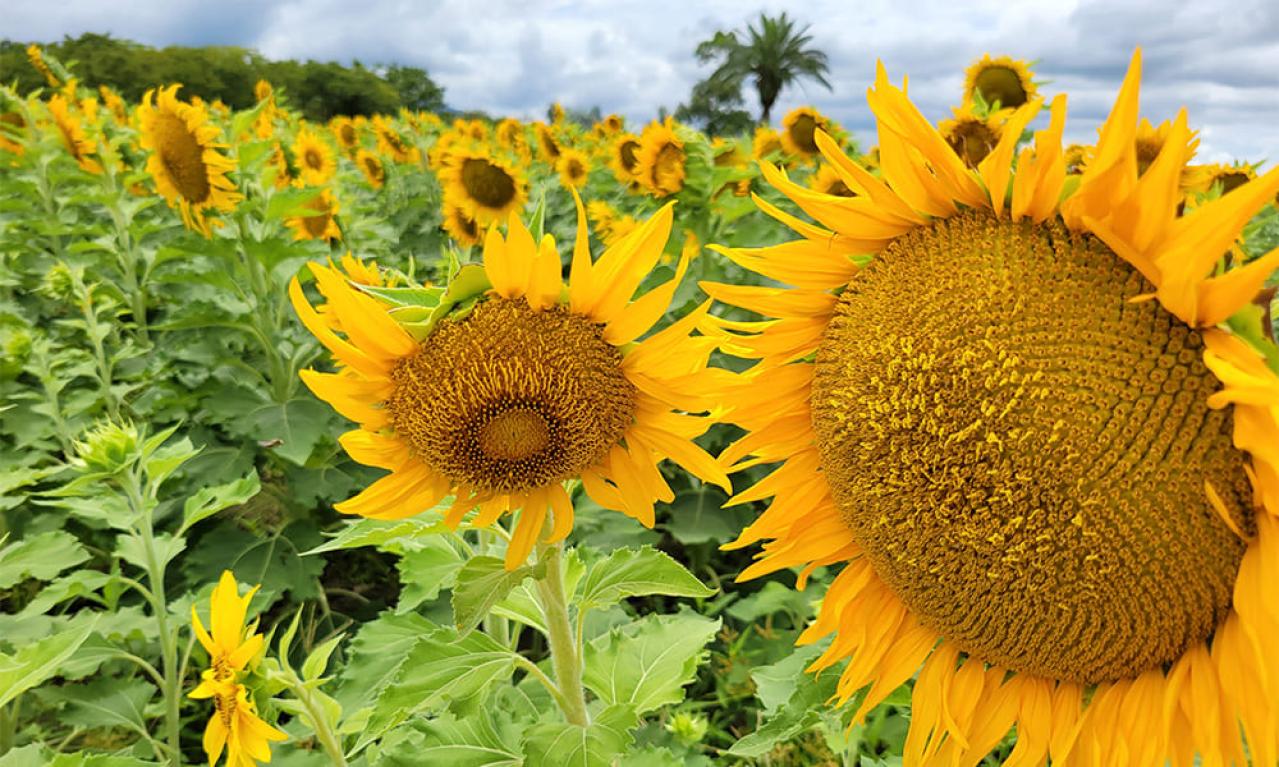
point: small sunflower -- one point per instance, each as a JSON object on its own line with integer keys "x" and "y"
{"x": 766, "y": 143}
{"x": 1076, "y": 158}
{"x": 510, "y": 132}
{"x": 612, "y": 125}
{"x": 189, "y": 171}
{"x": 344, "y": 130}
{"x": 487, "y": 186}
{"x": 537, "y": 384}
{"x": 659, "y": 163}
{"x": 235, "y": 726}
{"x": 1203, "y": 179}
{"x": 1020, "y": 423}
{"x": 321, "y": 225}
{"x": 799, "y": 128}
{"x": 625, "y": 157}
{"x": 828, "y": 180}
{"x": 573, "y": 166}
{"x": 36, "y": 57}
{"x": 971, "y": 135}
{"x": 315, "y": 159}
{"x": 280, "y": 164}
{"x": 12, "y": 126}
{"x": 1002, "y": 82}
{"x": 392, "y": 144}
{"x": 372, "y": 168}
{"x": 1150, "y": 142}
{"x": 727, "y": 154}
{"x": 547, "y": 144}
{"x": 461, "y": 227}
{"x": 73, "y": 135}
{"x": 119, "y": 110}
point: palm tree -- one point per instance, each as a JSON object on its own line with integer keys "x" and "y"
{"x": 775, "y": 54}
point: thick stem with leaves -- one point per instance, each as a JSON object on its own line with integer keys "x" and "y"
{"x": 566, "y": 651}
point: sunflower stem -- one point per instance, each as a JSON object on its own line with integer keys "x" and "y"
{"x": 566, "y": 653}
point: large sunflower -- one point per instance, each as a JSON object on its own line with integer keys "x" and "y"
{"x": 315, "y": 159}
{"x": 1011, "y": 409}
{"x": 1001, "y": 81}
{"x": 189, "y": 171}
{"x": 659, "y": 161}
{"x": 537, "y": 384}
{"x": 488, "y": 187}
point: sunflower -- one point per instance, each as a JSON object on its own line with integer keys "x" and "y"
{"x": 461, "y": 227}
{"x": 659, "y": 162}
{"x": 189, "y": 171}
{"x": 119, "y": 110}
{"x": 1150, "y": 142}
{"x": 766, "y": 143}
{"x": 573, "y": 166}
{"x": 235, "y": 725}
{"x": 1048, "y": 469}
{"x": 486, "y": 185}
{"x": 316, "y": 163}
{"x": 36, "y": 57}
{"x": 547, "y": 144}
{"x": 625, "y": 157}
{"x": 726, "y": 153}
{"x": 371, "y": 165}
{"x": 612, "y": 125}
{"x": 971, "y": 135}
{"x": 279, "y": 162}
{"x": 321, "y": 225}
{"x": 828, "y": 180}
{"x": 1202, "y": 179}
{"x": 72, "y": 133}
{"x": 799, "y": 128}
{"x": 344, "y": 130}
{"x": 12, "y": 126}
{"x": 392, "y": 144}
{"x": 537, "y": 384}
{"x": 1001, "y": 82}
{"x": 1076, "y": 158}
{"x": 510, "y": 132}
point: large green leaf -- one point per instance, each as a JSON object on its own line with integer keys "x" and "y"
{"x": 568, "y": 745}
{"x": 645, "y": 664}
{"x": 473, "y": 741}
{"x": 375, "y": 655}
{"x": 432, "y": 564}
{"x": 41, "y": 557}
{"x": 208, "y": 501}
{"x": 385, "y": 534}
{"x": 481, "y": 583}
{"x": 105, "y": 703}
{"x": 636, "y": 572}
{"x": 34, "y": 663}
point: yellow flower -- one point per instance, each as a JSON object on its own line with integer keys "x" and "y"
{"x": 322, "y": 225}
{"x": 510, "y": 133}
{"x": 798, "y": 130}
{"x": 1076, "y": 158}
{"x": 488, "y": 187}
{"x": 73, "y": 135}
{"x": 371, "y": 165}
{"x": 1202, "y": 179}
{"x": 189, "y": 171}
{"x": 766, "y": 143}
{"x": 548, "y": 146}
{"x": 828, "y": 180}
{"x": 344, "y": 130}
{"x": 659, "y": 162}
{"x": 1003, "y": 82}
{"x": 625, "y": 157}
{"x": 12, "y": 127}
{"x": 1018, "y": 422}
{"x": 262, "y": 91}
{"x": 36, "y": 57}
{"x": 316, "y": 163}
{"x": 119, "y": 110}
{"x": 537, "y": 384}
{"x": 573, "y": 166}
{"x": 611, "y": 125}
{"x": 392, "y": 144}
{"x": 726, "y": 153}
{"x": 235, "y": 725}
{"x": 971, "y": 135}
{"x": 461, "y": 227}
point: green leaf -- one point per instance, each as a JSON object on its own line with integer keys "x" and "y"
{"x": 431, "y": 565}
{"x": 290, "y": 203}
{"x": 39, "y": 756}
{"x": 696, "y": 517}
{"x": 772, "y": 598}
{"x": 210, "y": 500}
{"x": 795, "y": 701}
{"x": 777, "y": 683}
{"x": 70, "y": 586}
{"x": 163, "y": 461}
{"x": 105, "y": 703}
{"x": 636, "y": 572}
{"x": 38, "y": 661}
{"x": 375, "y": 655}
{"x": 384, "y": 534}
{"x": 297, "y": 425}
{"x": 132, "y": 549}
{"x": 473, "y": 741}
{"x": 647, "y": 663}
{"x": 41, "y": 557}
{"x": 315, "y": 663}
{"x": 418, "y": 296}
{"x": 481, "y": 583}
{"x": 568, "y": 745}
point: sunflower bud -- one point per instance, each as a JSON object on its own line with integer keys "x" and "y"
{"x": 109, "y": 447}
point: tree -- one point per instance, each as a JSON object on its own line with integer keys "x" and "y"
{"x": 774, "y": 54}
{"x": 715, "y": 106}
{"x": 417, "y": 90}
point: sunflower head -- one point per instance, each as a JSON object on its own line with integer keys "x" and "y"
{"x": 765, "y": 144}
{"x": 799, "y": 129}
{"x": 488, "y": 186}
{"x": 262, "y": 91}
{"x": 464, "y": 229}
{"x": 573, "y": 167}
{"x": 828, "y": 180}
{"x": 548, "y": 146}
{"x": 36, "y": 57}
{"x": 510, "y": 132}
{"x": 392, "y": 144}
{"x": 320, "y": 224}
{"x": 660, "y": 160}
{"x": 1000, "y": 82}
{"x": 971, "y": 135}
{"x": 345, "y": 132}
{"x": 1022, "y": 420}
{"x": 624, "y": 158}
{"x": 119, "y": 110}
{"x": 315, "y": 159}
{"x": 612, "y": 125}
{"x": 1075, "y": 157}
{"x": 372, "y": 168}
{"x": 726, "y": 153}
{"x": 73, "y": 135}
{"x": 1201, "y": 180}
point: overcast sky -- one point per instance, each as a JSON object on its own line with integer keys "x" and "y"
{"x": 1216, "y": 57}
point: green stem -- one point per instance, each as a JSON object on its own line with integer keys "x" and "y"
{"x": 566, "y": 654}
{"x": 323, "y": 728}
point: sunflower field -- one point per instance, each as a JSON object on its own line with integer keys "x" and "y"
{"x": 412, "y": 440}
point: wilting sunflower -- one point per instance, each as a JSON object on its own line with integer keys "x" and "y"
{"x": 828, "y": 180}
{"x": 321, "y": 225}
{"x": 486, "y": 185}
{"x": 799, "y": 128}
{"x": 1049, "y": 470}
{"x": 73, "y": 135}
{"x": 659, "y": 162}
{"x": 971, "y": 135}
{"x": 625, "y": 157}
{"x": 316, "y": 163}
{"x": 232, "y": 647}
{"x": 372, "y": 168}
{"x": 461, "y": 227}
{"x": 344, "y": 130}
{"x": 189, "y": 171}
{"x": 537, "y": 384}
{"x": 1004, "y": 82}
{"x": 573, "y": 166}
{"x": 766, "y": 143}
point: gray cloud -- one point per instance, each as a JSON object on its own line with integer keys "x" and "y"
{"x": 1219, "y": 59}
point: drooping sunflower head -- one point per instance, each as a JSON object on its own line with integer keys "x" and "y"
{"x": 189, "y": 170}
{"x": 518, "y": 384}
{"x": 486, "y": 185}
{"x": 1017, "y": 409}
{"x": 573, "y": 166}
{"x": 1001, "y": 82}
{"x": 464, "y": 229}
{"x": 322, "y": 223}
{"x": 625, "y": 157}
{"x": 315, "y": 158}
{"x": 765, "y": 144}
{"x": 73, "y": 135}
{"x": 36, "y": 57}
{"x": 344, "y": 130}
{"x": 799, "y": 129}
{"x": 726, "y": 153}
{"x": 372, "y": 168}
{"x": 659, "y": 161}
{"x": 971, "y": 135}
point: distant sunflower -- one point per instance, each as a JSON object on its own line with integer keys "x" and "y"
{"x": 12, "y": 126}
{"x": 1202, "y": 179}
{"x": 322, "y": 224}
{"x": 119, "y": 110}
{"x": 461, "y": 227}
{"x": 726, "y": 153}
{"x": 659, "y": 163}
{"x": 189, "y": 171}
{"x": 971, "y": 135}
{"x": 1076, "y": 158}
{"x": 1019, "y": 423}
{"x": 1004, "y": 82}
{"x": 392, "y": 144}
{"x": 487, "y": 186}
{"x": 799, "y": 128}
{"x": 766, "y": 143}
{"x": 36, "y": 57}
{"x": 510, "y": 132}
{"x": 537, "y": 384}
{"x": 344, "y": 130}
{"x": 280, "y": 163}
{"x": 1150, "y": 142}
{"x": 625, "y": 157}
{"x": 828, "y": 180}
{"x": 316, "y": 163}
{"x": 547, "y": 143}
{"x": 73, "y": 136}
{"x": 612, "y": 125}
{"x": 573, "y": 166}
{"x": 372, "y": 168}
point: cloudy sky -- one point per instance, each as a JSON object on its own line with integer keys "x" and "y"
{"x": 1218, "y": 58}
